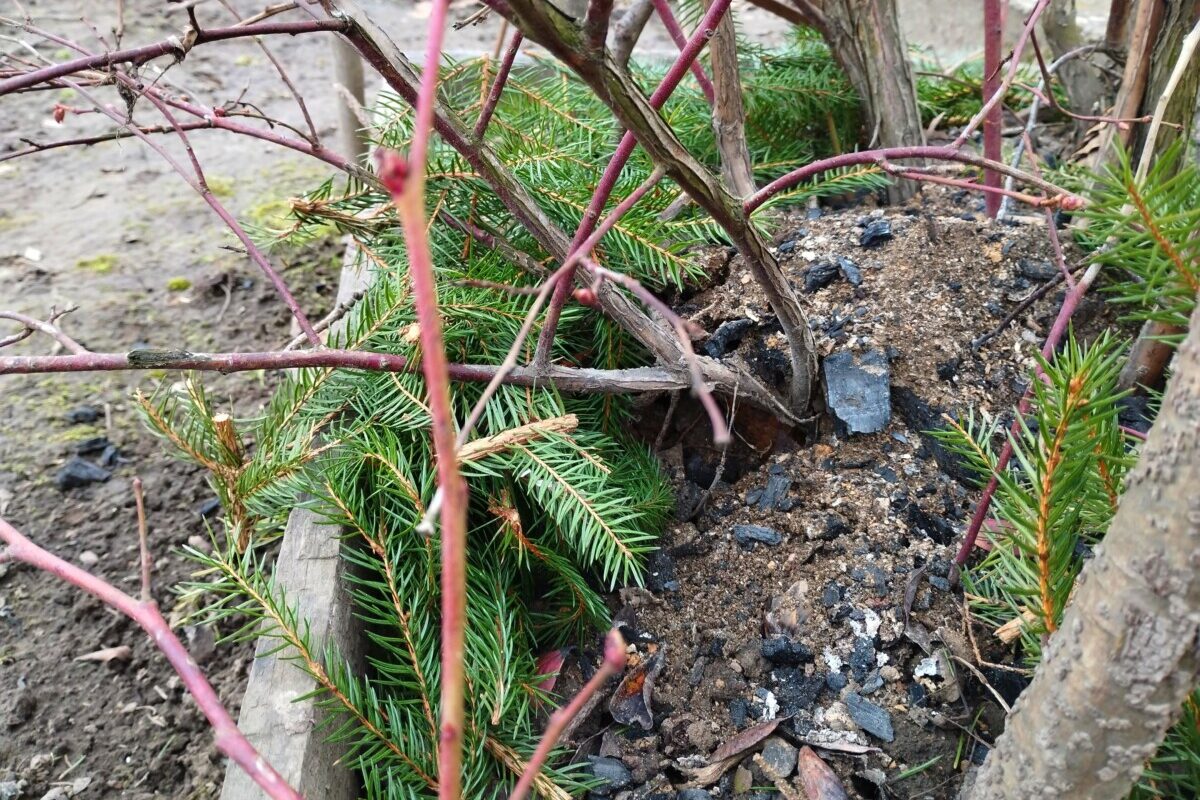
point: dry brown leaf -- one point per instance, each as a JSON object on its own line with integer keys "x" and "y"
{"x": 106, "y": 654}
{"x": 631, "y": 702}
{"x": 817, "y": 779}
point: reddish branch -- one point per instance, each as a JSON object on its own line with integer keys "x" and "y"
{"x": 884, "y": 155}
{"x": 228, "y": 739}
{"x": 614, "y": 662}
{"x": 405, "y": 180}
{"x": 489, "y": 106}
{"x": 993, "y": 28}
{"x": 608, "y": 180}
{"x": 663, "y": 7}
{"x": 173, "y": 46}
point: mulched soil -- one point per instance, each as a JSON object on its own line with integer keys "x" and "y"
{"x": 809, "y": 626}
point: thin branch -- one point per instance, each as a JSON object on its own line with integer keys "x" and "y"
{"x": 568, "y": 379}
{"x": 489, "y": 106}
{"x": 728, "y": 112}
{"x": 1014, "y": 59}
{"x": 612, "y": 171}
{"x": 405, "y": 180}
{"x": 936, "y": 153}
{"x": 669, "y": 22}
{"x": 719, "y": 428}
{"x": 172, "y": 46}
{"x": 201, "y": 186}
{"x": 559, "y": 278}
{"x": 614, "y": 662}
{"x": 595, "y": 23}
{"x": 1032, "y": 114}
{"x": 47, "y": 327}
{"x": 228, "y": 739}
{"x": 313, "y": 136}
{"x": 628, "y": 29}
{"x": 993, "y": 23}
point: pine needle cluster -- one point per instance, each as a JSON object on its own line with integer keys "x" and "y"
{"x": 1144, "y": 231}
{"x": 1057, "y": 497}
{"x": 1054, "y": 502}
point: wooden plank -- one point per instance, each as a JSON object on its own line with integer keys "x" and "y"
{"x": 311, "y": 572}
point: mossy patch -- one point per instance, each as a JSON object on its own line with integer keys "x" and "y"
{"x": 101, "y": 264}
{"x": 220, "y": 186}
{"x": 178, "y": 285}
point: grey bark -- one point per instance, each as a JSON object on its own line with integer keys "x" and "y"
{"x": 1150, "y": 355}
{"x": 1115, "y": 675}
{"x": 729, "y": 113}
{"x": 1178, "y": 19}
{"x": 1083, "y": 81}
{"x": 624, "y": 33}
{"x": 866, "y": 40}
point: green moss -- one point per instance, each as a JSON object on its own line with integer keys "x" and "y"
{"x": 220, "y": 186}
{"x": 244, "y": 61}
{"x": 271, "y": 215}
{"x": 178, "y": 285}
{"x": 101, "y": 264}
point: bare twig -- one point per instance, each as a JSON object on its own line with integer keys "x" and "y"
{"x": 228, "y": 739}
{"x": 663, "y": 7}
{"x": 489, "y": 106}
{"x": 313, "y": 136}
{"x": 172, "y": 46}
{"x": 614, "y": 662}
{"x": 47, "y": 327}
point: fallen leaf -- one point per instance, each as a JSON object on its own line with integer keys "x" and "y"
{"x": 752, "y": 736}
{"x": 849, "y": 748}
{"x": 104, "y": 655}
{"x": 550, "y": 664}
{"x": 817, "y": 779}
{"x": 730, "y": 753}
{"x": 631, "y": 702}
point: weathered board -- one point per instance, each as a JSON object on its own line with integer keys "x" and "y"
{"x": 310, "y": 571}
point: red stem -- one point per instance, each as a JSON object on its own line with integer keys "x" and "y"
{"x": 408, "y": 194}
{"x": 1014, "y": 64}
{"x": 993, "y": 25}
{"x": 228, "y": 739}
{"x": 669, "y": 22}
{"x": 608, "y": 180}
{"x": 140, "y": 55}
{"x": 950, "y": 153}
{"x": 489, "y": 106}
{"x": 614, "y": 662}
{"x": 1070, "y": 303}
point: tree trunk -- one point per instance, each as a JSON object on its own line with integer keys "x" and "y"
{"x": 729, "y": 114}
{"x": 865, "y": 38}
{"x": 1150, "y": 356}
{"x": 1179, "y": 18}
{"x": 1115, "y": 675}
{"x": 1084, "y": 83}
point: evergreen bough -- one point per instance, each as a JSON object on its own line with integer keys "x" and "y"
{"x": 1056, "y": 499}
